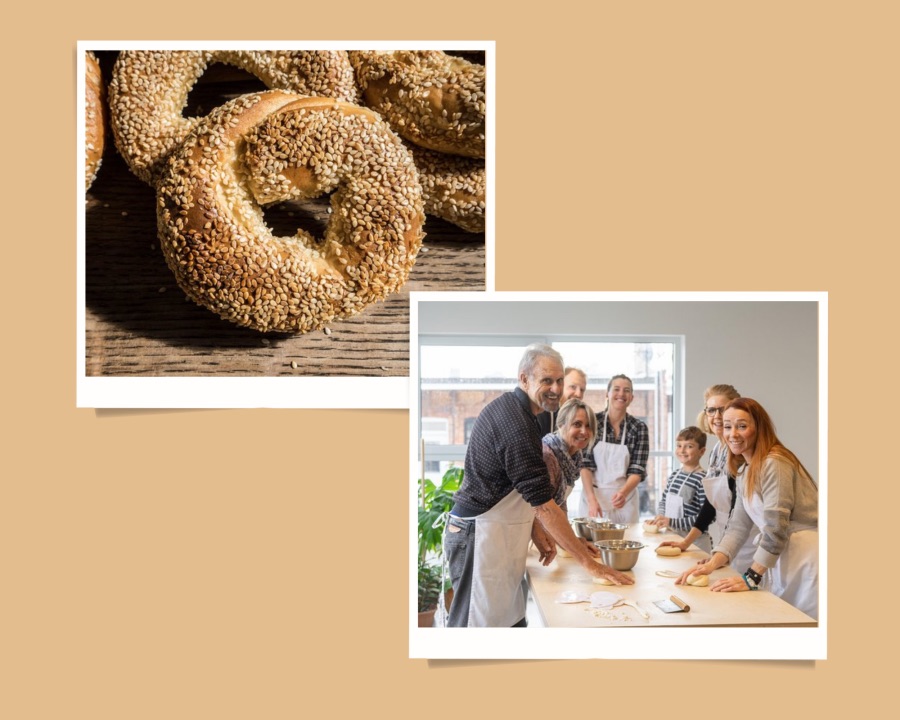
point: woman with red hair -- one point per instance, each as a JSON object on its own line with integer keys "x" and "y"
{"x": 775, "y": 492}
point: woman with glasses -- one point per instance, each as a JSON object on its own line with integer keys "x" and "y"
{"x": 718, "y": 485}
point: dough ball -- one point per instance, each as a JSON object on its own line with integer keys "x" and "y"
{"x": 650, "y": 528}
{"x": 603, "y": 581}
{"x": 668, "y": 551}
{"x": 562, "y": 552}
{"x": 698, "y": 580}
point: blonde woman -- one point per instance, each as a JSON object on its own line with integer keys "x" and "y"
{"x": 576, "y": 428}
{"x": 718, "y": 485}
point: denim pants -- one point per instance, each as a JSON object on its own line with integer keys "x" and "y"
{"x": 459, "y": 549}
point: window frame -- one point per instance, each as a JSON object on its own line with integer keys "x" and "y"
{"x": 456, "y": 453}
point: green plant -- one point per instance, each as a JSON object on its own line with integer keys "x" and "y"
{"x": 436, "y": 502}
{"x": 429, "y": 585}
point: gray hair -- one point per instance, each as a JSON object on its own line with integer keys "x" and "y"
{"x": 532, "y": 353}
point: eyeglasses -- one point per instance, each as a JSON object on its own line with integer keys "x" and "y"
{"x": 713, "y": 410}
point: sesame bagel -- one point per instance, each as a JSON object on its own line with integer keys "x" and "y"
{"x": 94, "y": 118}
{"x": 453, "y": 187}
{"x": 149, "y": 90}
{"x": 428, "y": 97}
{"x": 271, "y": 147}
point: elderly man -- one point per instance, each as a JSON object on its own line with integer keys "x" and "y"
{"x": 505, "y": 488}
{"x": 574, "y": 385}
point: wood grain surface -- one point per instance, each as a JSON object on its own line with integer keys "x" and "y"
{"x": 138, "y": 322}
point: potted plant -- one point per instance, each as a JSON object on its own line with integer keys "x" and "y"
{"x": 435, "y": 504}
{"x": 429, "y": 592}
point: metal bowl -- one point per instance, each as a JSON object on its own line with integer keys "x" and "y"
{"x": 606, "y": 531}
{"x": 594, "y": 530}
{"x": 579, "y": 525}
{"x": 619, "y": 554}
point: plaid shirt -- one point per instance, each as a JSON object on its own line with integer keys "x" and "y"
{"x": 637, "y": 440}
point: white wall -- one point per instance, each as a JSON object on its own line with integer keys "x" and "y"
{"x": 767, "y": 349}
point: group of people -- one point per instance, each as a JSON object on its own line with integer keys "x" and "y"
{"x": 529, "y": 448}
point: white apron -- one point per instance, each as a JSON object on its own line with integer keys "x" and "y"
{"x": 715, "y": 485}
{"x": 612, "y": 461}
{"x": 502, "y": 535}
{"x": 674, "y": 507}
{"x": 719, "y": 495}
{"x": 795, "y": 577}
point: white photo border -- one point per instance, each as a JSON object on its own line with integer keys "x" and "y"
{"x": 656, "y": 643}
{"x": 254, "y": 392}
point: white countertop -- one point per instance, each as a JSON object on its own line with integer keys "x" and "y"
{"x": 707, "y": 608}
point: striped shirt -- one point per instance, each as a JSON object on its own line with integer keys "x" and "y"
{"x": 689, "y": 486}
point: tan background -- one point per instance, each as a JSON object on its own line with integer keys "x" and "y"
{"x": 185, "y": 565}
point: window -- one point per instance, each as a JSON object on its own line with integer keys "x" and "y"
{"x": 459, "y": 376}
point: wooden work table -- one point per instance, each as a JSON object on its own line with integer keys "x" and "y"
{"x": 760, "y": 608}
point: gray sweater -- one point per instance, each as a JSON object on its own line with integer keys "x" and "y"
{"x": 790, "y": 497}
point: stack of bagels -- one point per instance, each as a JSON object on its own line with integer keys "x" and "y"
{"x": 389, "y": 136}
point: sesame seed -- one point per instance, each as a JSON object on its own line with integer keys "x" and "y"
{"x": 430, "y": 98}
{"x": 149, "y": 88}
{"x": 289, "y": 148}
{"x": 453, "y": 187}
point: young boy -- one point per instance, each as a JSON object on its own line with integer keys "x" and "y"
{"x": 683, "y": 497}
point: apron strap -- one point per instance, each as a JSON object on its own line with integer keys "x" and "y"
{"x": 624, "y": 427}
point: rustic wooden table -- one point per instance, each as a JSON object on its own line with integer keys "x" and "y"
{"x": 137, "y": 321}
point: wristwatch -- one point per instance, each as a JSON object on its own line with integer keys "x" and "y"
{"x": 752, "y": 578}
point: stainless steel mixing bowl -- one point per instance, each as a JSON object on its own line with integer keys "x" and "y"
{"x": 619, "y": 554}
{"x": 606, "y": 531}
